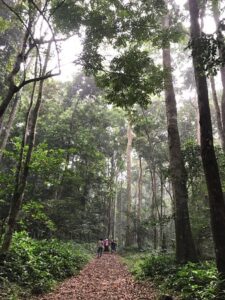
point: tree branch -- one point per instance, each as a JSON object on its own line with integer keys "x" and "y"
{"x": 46, "y": 76}
{"x": 52, "y": 31}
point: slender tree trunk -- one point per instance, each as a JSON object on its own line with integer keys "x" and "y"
{"x": 198, "y": 134}
{"x": 114, "y": 226}
{"x": 23, "y": 166}
{"x": 216, "y": 15}
{"x": 216, "y": 200}
{"x": 120, "y": 215}
{"x": 1, "y": 125}
{"x": 5, "y": 135}
{"x": 139, "y": 204}
{"x": 161, "y": 229}
{"x": 128, "y": 241}
{"x": 185, "y": 249}
{"x": 154, "y": 207}
{"x": 110, "y": 214}
{"x": 218, "y": 114}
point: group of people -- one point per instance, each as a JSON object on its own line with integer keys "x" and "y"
{"x": 105, "y": 246}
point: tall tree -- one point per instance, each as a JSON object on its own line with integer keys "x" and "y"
{"x": 25, "y": 158}
{"x": 128, "y": 241}
{"x": 185, "y": 248}
{"x": 139, "y": 204}
{"x": 216, "y": 200}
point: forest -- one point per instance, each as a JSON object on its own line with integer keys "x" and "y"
{"x": 112, "y": 126}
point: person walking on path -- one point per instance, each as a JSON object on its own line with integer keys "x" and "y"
{"x": 100, "y": 247}
{"x": 113, "y": 246}
{"x": 106, "y": 245}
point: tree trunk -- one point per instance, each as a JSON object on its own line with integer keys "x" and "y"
{"x": 161, "y": 228}
{"x": 154, "y": 207}
{"x": 128, "y": 241}
{"x": 185, "y": 249}
{"x": 120, "y": 216}
{"x": 23, "y": 165}
{"x": 139, "y": 204}
{"x": 110, "y": 213}
{"x": 109, "y": 216}
{"x": 218, "y": 114}
{"x": 6, "y": 132}
{"x": 198, "y": 134}
{"x": 114, "y": 225}
{"x": 216, "y": 15}
{"x": 216, "y": 201}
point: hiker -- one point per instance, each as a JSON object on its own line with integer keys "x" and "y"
{"x": 106, "y": 245}
{"x": 113, "y": 246}
{"x": 100, "y": 248}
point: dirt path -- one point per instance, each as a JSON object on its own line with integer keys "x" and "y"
{"x": 104, "y": 278}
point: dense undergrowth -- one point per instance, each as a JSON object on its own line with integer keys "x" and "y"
{"x": 195, "y": 281}
{"x": 34, "y": 267}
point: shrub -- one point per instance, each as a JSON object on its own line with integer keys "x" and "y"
{"x": 154, "y": 266}
{"x": 196, "y": 281}
{"x": 39, "y": 264}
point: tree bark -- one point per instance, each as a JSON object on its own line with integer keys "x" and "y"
{"x": 161, "y": 228}
{"x": 216, "y": 200}
{"x": 185, "y": 248}
{"x": 6, "y": 133}
{"x": 154, "y": 207}
{"x": 139, "y": 204}
{"x": 216, "y": 15}
{"x": 114, "y": 225}
{"x": 197, "y": 122}
{"x": 128, "y": 241}
{"x": 218, "y": 114}
{"x": 110, "y": 212}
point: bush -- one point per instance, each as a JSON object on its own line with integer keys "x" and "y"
{"x": 196, "y": 281}
{"x": 154, "y": 266}
{"x": 40, "y": 264}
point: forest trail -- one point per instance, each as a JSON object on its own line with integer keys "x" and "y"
{"x": 103, "y": 278}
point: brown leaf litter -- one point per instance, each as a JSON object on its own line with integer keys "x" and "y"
{"x": 103, "y": 278}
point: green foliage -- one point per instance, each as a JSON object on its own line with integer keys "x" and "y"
{"x": 67, "y": 191}
{"x": 47, "y": 164}
{"x": 209, "y": 50}
{"x": 221, "y": 162}
{"x": 196, "y": 281}
{"x": 154, "y": 266}
{"x": 192, "y": 159}
{"x": 34, "y": 219}
{"x": 133, "y": 78}
{"x": 67, "y": 15}
{"x": 38, "y": 265}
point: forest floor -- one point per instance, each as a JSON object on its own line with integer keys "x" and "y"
{"x": 103, "y": 278}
